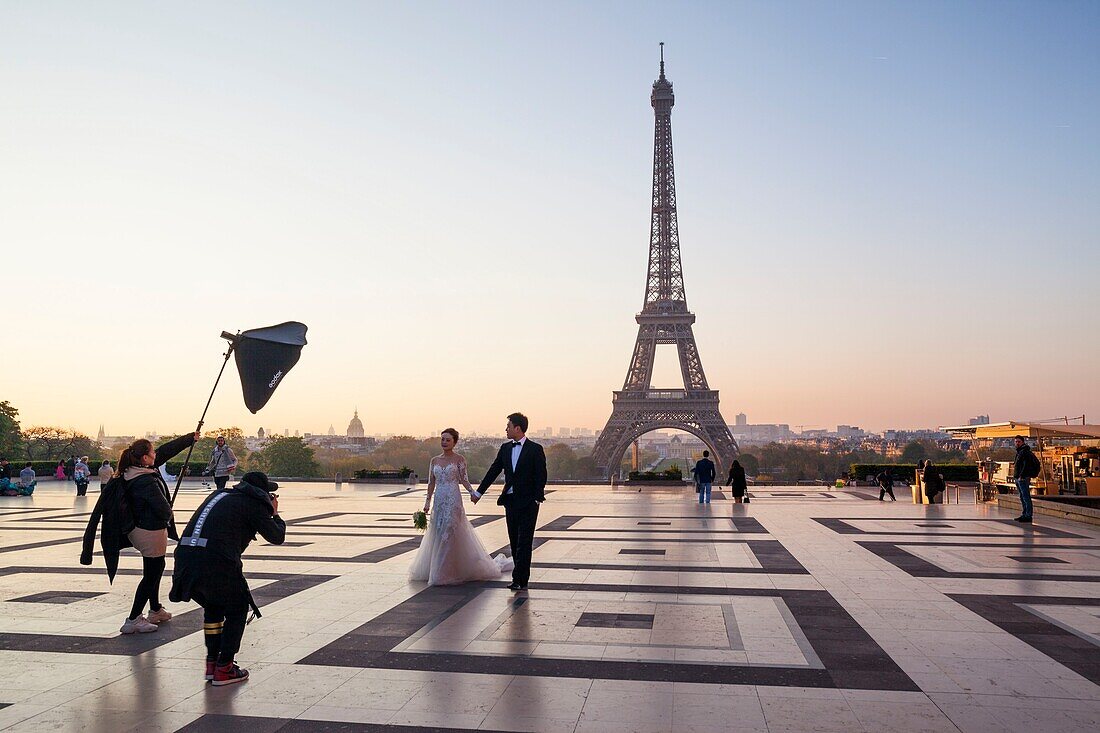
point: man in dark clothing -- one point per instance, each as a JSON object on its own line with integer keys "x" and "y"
{"x": 1025, "y": 468}
{"x": 704, "y": 476}
{"x": 886, "y": 485}
{"x": 523, "y": 462}
{"x": 209, "y": 570}
{"x": 70, "y": 468}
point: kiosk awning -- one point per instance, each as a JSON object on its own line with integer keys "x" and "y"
{"x": 1028, "y": 430}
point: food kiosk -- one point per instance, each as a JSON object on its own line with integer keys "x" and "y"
{"x": 1069, "y": 455}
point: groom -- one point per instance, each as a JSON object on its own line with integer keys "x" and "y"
{"x": 524, "y": 464}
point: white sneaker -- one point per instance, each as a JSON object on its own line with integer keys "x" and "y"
{"x": 159, "y": 617}
{"x": 138, "y": 626}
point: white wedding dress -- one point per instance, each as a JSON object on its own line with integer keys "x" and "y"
{"x": 451, "y": 552}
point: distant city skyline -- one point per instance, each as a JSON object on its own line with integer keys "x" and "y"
{"x": 887, "y": 210}
{"x": 556, "y": 431}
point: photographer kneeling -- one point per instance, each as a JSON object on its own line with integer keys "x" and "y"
{"x": 208, "y": 566}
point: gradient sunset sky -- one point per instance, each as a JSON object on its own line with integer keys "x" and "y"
{"x": 888, "y": 210}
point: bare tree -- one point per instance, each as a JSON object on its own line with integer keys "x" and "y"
{"x": 46, "y": 442}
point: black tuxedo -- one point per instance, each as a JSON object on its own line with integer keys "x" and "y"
{"x": 524, "y": 489}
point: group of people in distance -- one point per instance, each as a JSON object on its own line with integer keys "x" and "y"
{"x": 222, "y": 465}
{"x": 24, "y": 486}
{"x": 705, "y": 472}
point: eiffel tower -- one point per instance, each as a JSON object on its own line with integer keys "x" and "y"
{"x": 665, "y": 319}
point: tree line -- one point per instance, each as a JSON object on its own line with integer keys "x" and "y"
{"x": 287, "y": 456}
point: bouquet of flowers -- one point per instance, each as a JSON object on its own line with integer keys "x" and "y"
{"x": 420, "y": 521}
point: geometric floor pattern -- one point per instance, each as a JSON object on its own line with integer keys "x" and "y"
{"x": 807, "y": 610}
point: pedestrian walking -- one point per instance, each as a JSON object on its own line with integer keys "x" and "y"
{"x": 1026, "y": 467}
{"x": 739, "y": 487}
{"x": 82, "y": 475}
{"x": 105, "y": 473}
{"x": 70, "y": 468}
{"x": 208, "y": 566}
{"x": 139, "y": 514}
{"x": 704, "y": 476}
{"x": 886, "y": 485}
{"x": 222, "y": 463}
{"x": 59, "y": 472}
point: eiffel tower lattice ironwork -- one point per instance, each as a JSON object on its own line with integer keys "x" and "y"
{"x": 665, "y": 319}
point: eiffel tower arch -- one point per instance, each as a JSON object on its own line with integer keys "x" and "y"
{"x": 637, "y": 408}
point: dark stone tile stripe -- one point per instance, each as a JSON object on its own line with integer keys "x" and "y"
{"x": 219, "y": 723}
{"x": 748, "y": 525}
{"x": 476, "y": 520}
{"x": 918, "y": 567}
{"x": 373, "y": 556}
{"x": 560, "y": 524}
{"x": 56, "y": 596}
{"x": 616, "y": 620}
{"x": 657, "y": 568}
{"x": 409, "y": 543}
{"x": 6, "y": 511}
{"x": 181, "y": 625}
{"x": 81, "y": 570}
{"x": 742, "y": 525}
{"x": 315, "y": 517}
{"x": 43, "y": 543}
{"x": 840, "y": 526}
{"x": 851, "y": 657}
{"x": 1065, "y": 647}
{"x": 9, "y": 527}
{"x": 773, "y": 556}
{"x": 655, "y": 531}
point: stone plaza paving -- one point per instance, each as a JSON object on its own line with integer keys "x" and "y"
{"x": 810, "y": 609}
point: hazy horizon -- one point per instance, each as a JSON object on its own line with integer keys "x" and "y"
{"x": 883, "y": 209}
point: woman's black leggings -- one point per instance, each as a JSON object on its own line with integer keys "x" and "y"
{"x": 148, "y": 590}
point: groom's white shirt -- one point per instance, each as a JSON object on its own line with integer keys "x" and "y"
{"x": 517, "y": 448}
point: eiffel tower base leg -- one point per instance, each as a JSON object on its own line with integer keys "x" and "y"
{"x": 629, "y": 422}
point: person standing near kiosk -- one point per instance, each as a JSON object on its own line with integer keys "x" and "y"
{"x": 1025, "y": 468}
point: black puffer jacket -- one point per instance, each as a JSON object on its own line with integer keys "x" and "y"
{"x": 148, "y": 494}
{"x": 1026, "y": 465}
{"x": 112, "y": 513}
{"x": 208, "y": 561}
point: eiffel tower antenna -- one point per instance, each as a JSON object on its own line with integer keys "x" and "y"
{"x": 637, "y": 408}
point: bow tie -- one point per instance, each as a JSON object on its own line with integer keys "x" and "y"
{"x": 515, "y": 443}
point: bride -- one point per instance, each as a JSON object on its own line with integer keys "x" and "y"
{"x": 451, "y": 552}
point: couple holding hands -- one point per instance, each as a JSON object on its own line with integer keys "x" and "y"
{"x": 451, "y": 552}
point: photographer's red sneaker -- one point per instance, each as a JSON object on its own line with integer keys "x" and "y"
{"x": 229, "y": 674}
{"x": 209, "y": 670}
